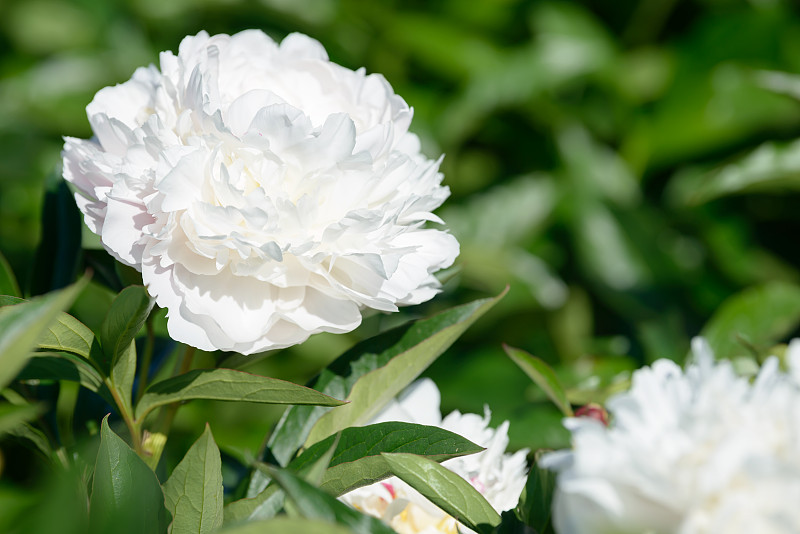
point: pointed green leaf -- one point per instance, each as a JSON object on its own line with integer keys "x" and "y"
{"x": 65, "y": 333}
{"x": 193, "y": 492}
{"x": 12, "y": 416}
{"x": 35, "y": 437}
{"x": 126, "y": 496}
{"x": 543, "y": 376}
{"x": 27, "y": 431}
{"x": 760, "y": 315}
{"x": 65, "y": 366}
{"x": 265, "y": 505}
{"x": 535, "y": 503}
{"x": 124, "y": 320}
{"x": 318, "y": 463}
{"x": 313, "y": 503}
{"x": 288, "y": 525}
{"x": 22, "y": 325}
{"x": 772, "y": 167}
{"x": 70, "y": 335}
{"x": 421, "y": 345}
{"x": 357, "y": 460}
{"x": 445, "y": 489}
{"x": 123, "y": 373}
{"x": 228, "y": 385}
{"x": 58, "y": 255}
{"x": 8, "y": 282}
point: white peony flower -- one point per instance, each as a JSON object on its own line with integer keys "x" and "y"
{"x": 696, "y": 452}
{"x": 500, "y": 477}
{"x": 264, "y": 193}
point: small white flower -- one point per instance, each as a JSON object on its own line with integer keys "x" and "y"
{"x": 264, "y": 192}
{"x": 697, "y": 452}
{"x": 498, "y": 476}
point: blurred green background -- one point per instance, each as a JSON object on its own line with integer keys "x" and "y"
{"x": 594, "y": 149}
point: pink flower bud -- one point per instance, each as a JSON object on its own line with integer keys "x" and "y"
{"x": 595, "y": 411}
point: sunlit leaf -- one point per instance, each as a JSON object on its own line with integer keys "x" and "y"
{"x": 445, "y": 489}
{"x": 288, "y": 525}
{"x": 228, "y": 385}
{"x": 357, "y": 460}
{"x": 22, "y": 325}
{"x": 126, "y": 496}
{"x": 373, "y": 390}
{"x": 313, "y": 503}
{"x": 66, "y": 333}
{"x": 369, "y": 355}
{"x": 759, "y": 316}
{"x": 124, "y": 320}
{"x": 543, "y": 376}
{"x": 193, "y": 492}
{"x": 772, "y": 167}
{"x": 264, "y": 505}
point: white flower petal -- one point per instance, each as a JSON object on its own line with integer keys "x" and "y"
{"x": 688, "y": 451}
{"x": 499, "y": 476}
{"x": 265, "y": 193}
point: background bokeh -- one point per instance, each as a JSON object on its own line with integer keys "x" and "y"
{"x": 595, "y": 151}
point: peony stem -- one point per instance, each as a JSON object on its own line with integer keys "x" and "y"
{"x": 136, "y": 437}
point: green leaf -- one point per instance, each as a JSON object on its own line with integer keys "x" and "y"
{"x": 511, "y": 524}
{"x": 8, "y": 282}
{"x": 535, "y": 503}
{"x": 313, "y": 503}
{"x": 228, "y": 385}
{"x": 421, "y": 345}
{"x": 35, "y": 437}
{"x": 265, "y": 505}
{"x": 65, "y": 366}
{"x": 58, "y": 256}
{"x": 124, "y": 320}
{"x": 314, "y": 469}
{"x": 27, "y": 431}
{"x": 70, "y": 335}
{"x": 123, "y": 373}
{"x": 126, "y": 496}
{"x": 12, "y": 416}
{"x": 543, "y": 376}
{"x": 22, "y": 325}
{"x": 193, "y": 492}
{"x": 287, "y": 525}
{"x": 759, "y": 316}
{"x": 445, "y": 489}
{"x": 357, "y": 460}
{"x": 772, "y": 167}
{"x": 65, "y": 333}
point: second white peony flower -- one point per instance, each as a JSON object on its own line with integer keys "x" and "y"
{"x": 700, "y": 451}
{"x": 264, "y": 192}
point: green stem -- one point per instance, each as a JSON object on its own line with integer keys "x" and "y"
{"x": 147, "y": 357}
{"x": 133, "y": 428}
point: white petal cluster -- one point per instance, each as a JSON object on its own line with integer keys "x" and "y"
{"x": 700, "y": 451}
{"x": 498, "y": 476}
{"x": 264, "y": 192}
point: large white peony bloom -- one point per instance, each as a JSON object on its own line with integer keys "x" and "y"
{"x": 500, "y": 477}
{"x": 264, "y": 193}
{"x": 697, "y": 452}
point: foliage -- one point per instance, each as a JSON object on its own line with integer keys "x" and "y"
{"x": 628, "y": 169}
